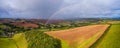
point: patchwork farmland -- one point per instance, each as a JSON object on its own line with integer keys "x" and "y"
{"x": 105, "y": 35}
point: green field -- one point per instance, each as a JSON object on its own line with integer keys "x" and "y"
{"x": 17, "y": 41}
{"x": 7, "y": 43}
{"x": 111, "y": 39}
{"x": 20, "y": 40}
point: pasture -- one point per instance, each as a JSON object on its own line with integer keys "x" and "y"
{"x": 111, "y": 39}
{"x": 17, "y": 41}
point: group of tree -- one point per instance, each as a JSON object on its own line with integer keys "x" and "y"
{"x": 8, "y": 30}
{"x": 61, "y": 25}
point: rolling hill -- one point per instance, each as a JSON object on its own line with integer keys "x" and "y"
{"x": 92, "y": 36}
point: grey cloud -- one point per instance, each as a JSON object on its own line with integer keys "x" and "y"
{"x": 58, "y": 9}
{"x": 89, "y": 8}
{"x": 31, "y": 8}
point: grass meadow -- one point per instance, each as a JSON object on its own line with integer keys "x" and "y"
{"x": 111, "y": 39}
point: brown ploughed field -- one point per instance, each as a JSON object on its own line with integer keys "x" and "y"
{"x": 77, "y": 34}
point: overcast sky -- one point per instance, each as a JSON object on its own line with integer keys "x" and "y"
{"x": 59, "y": 9}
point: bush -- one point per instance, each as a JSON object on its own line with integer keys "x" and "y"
{"x": 38, "y": 39}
